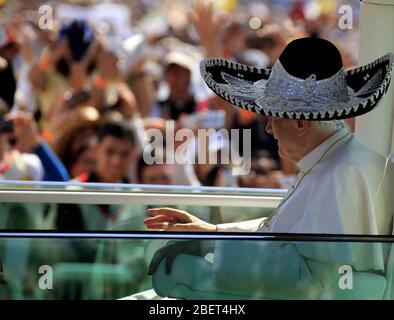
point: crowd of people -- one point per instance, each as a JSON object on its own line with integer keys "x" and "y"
{"x": 138, "y": 64}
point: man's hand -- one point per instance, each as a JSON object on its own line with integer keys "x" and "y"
{"x": 207, "y": 26}
{"x": 107, "y": 65}
{"x": 169, "y": 219}
{"x": 128, "y": 103}
{"x": 26, "y": 131}
{"x": 192, "y": 247}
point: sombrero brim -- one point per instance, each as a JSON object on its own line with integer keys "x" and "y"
{"x": 244, "y": 86}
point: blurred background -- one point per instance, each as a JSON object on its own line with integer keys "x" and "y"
{"x": 68, "y": 68}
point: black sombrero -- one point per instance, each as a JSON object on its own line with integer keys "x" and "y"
{"x": 307, "y": 82}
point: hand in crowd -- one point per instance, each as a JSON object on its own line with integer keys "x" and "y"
{"x": 170, "y": 219}
{"x": 207, "y": 26}
{"x": 107, "y": 65}
{"x": 24, "y": 37}
{"x": 47, "y": 62}
{"x": 128, "y": 103}
{"x": 64, "y": 114}
{"x": 61, "y": 109}
{"x": 26, "y": 131}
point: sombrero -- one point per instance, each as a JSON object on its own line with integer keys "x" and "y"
{"x": 307, "y": 82}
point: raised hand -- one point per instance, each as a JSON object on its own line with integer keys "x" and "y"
{"x": 207, "y": 26}
{"x": 107, "y": 64}
{"x": 26, "y": 131}
{"x": 128, "y": 103}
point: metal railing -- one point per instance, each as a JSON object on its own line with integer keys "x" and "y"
{"x": 122, "y": 194}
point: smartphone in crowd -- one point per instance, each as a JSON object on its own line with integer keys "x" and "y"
{"x": 78, "y": 99}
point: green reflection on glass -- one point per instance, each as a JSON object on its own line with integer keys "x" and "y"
{"x": 199, "y": 269}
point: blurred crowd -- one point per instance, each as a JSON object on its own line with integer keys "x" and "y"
{"x": 83, "y": 83}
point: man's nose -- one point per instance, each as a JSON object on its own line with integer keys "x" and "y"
{"x": 268, "y": 127}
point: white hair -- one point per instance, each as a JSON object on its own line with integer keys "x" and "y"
{"x": 329, "y": 126}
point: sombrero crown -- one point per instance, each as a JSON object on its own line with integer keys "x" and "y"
{"x": 307, "y": 82}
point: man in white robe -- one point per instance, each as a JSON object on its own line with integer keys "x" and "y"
{"x": 348, "y": 192}
{"x": 343, "y": 186}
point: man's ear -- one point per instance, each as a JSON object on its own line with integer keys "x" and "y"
{"x": 302, "y": 127}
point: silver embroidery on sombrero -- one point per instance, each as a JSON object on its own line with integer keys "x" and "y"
{"x": 370, "y": 86}
{"x": 282, "y": 92}
{"x": 310, "y": 90}
{"x": 244, "y": 93}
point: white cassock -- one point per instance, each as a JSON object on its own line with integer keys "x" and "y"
{"x": 349, "y": 191}
{"x": 343, "y": 188}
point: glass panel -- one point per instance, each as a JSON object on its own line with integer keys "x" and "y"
{"x": 250, "y": 266}
{"x": 99, "y": 217}
{"x": 109, "y": 210}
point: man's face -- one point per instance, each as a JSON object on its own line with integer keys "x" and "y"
{"x": 178, "y": 78}
{"x": 113, "y": 159}
{"x": 157, "y": 174}
{"x": 286, "y": 133}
